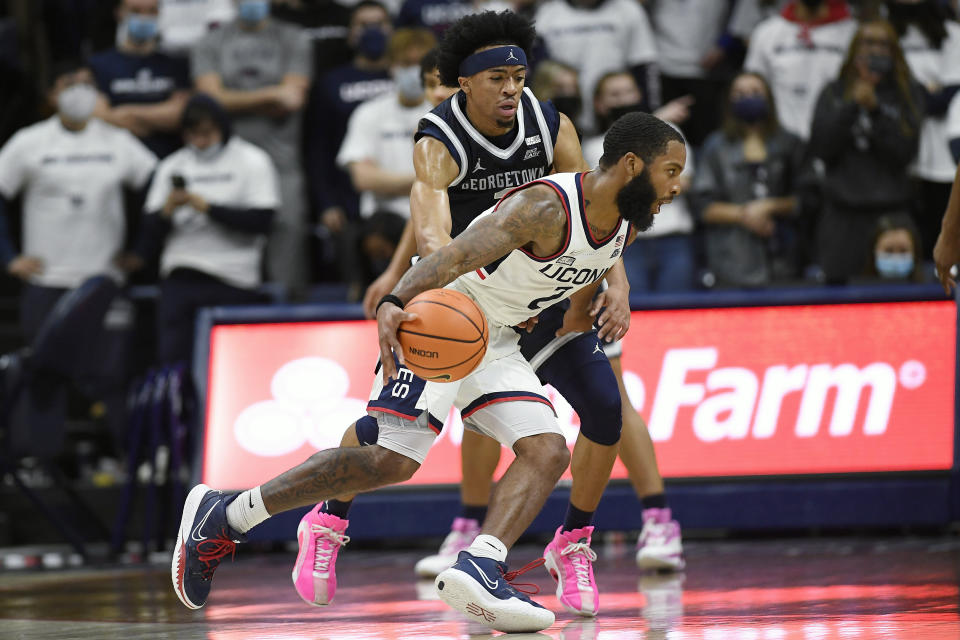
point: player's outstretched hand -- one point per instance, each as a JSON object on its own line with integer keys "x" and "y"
{"x": 389, "y": 318}
{"x": 614, "y": 320}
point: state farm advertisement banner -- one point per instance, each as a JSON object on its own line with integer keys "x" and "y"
{"x": 726, "y": 392}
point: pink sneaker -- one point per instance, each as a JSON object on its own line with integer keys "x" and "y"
{"x": 320, "y": 536}
{"x": 659, "y": 546}
{"x": 569, "y": 559}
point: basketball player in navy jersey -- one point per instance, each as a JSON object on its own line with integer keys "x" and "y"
{"x": 489, "y": 137}
{"x": 508, "y": 261}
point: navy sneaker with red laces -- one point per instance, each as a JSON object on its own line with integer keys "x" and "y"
{"x": 204, "y": 539}
{"x": 481, "y": 589}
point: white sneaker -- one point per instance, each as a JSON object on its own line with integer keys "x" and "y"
{"x": 461, "y": 536}
{"x": 659, "y": 546}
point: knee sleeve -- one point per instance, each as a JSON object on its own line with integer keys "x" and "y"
{"x": 367, "y": 431}
{"x": 592, "y": 391}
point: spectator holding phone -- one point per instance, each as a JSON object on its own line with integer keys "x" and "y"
{"x": 210, "y": 207}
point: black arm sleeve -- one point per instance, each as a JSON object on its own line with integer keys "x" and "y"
{"x": 938, "y": 102}
{"x": 153, "y": 231}
{"x": 247, "y": 220}
{"x": 7, "y": 252}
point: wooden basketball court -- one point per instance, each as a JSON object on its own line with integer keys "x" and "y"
{"x": 808, "y": 589}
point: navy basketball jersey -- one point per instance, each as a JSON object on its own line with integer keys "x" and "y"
{"x": 491, "y": 167}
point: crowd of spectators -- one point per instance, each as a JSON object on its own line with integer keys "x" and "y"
{"x": 211, "y": 146}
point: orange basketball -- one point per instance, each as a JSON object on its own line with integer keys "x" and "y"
{"x": 449, "y": 337}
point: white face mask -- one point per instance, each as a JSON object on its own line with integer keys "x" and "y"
{"x": 205, "y": 155}
{"x": 408, "y": 83}
{"x": 76, "y": 102}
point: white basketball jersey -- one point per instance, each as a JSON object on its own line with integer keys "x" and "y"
{"x": 520, "y": 284}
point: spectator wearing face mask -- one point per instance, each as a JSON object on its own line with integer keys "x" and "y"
{"x": 259, "y": 69}
{"x": 209, "y": 208}
{"x": 896, "y": 254}
{"x": 798, "y": 52}
{"x": 378, "y": 148}
{"x": 333, "y": 98}
{"x": 142, "y": 90}
{"x": 71, "y": 170}
{"x": 931, "y": 45}
{"x": 663, "y": 258}
{"x": 866, "y": 131}
{"x": 745, "y": 190}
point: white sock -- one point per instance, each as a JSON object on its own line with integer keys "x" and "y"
{"x": 246, "y": 511}
{"x": 487, "y": 547}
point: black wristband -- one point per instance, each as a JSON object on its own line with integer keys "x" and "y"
{"x": 391, "y": 299}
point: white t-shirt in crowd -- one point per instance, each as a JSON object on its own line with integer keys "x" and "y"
{"x": 73, "y": 218}
{"x": 938, "y": 67}
{"x": 797, "y": 69}
{"x": 614, "y": 36}
{"x": 674, "y": 217}
{"x": 183, "y": 22}
{"x": 686, "y": 31}
{"x": 381, "y": 130}
{"x": 241, "y": 176}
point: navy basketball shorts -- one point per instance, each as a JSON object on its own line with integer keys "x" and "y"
{"x": 502, "y": 398}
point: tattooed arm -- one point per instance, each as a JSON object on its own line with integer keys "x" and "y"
{"x": 532, "y": 217}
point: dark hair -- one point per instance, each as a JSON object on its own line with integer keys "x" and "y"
{"x": 63, "y": 67}
{"x": 204, "y": 108}
{"x": 428, "y": 62}
{"x": 734, "y": 128}
{"x": 643, "y": 134}
{"x": 385, "y": 223}
{"x": 896, "y": 222}
{"x": 367, "y": 4}
{"x": 476, "y": 31}
{"x": 902, "y": 78}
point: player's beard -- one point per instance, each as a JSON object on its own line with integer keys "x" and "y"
{"x": 635, "y": 201}
{"x": 506, "y": 124}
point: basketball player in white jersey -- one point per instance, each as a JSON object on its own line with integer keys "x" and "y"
{"x": 531, "y": 237}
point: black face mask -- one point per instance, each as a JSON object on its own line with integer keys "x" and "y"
{"x": 635, "y": 201}
{"x": 879, "y": 64}
{"x": 568, "y": 105}
{"x": 614, "y": 114}
{"x": 372, "y": 43}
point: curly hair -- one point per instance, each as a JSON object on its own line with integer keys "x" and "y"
{"x": 479, "y": 30}
{"x": 638, "y": 132}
